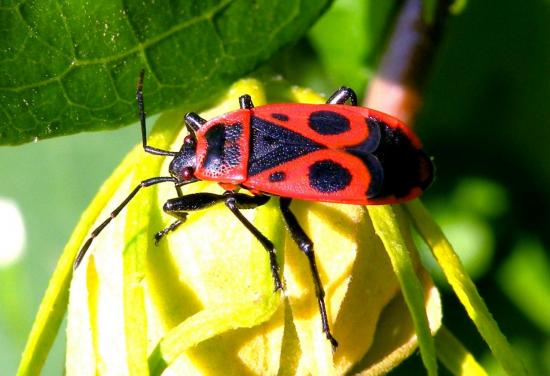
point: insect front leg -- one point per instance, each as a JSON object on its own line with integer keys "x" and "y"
{"x": 172, "y": 227}
{"x": 342, "y": 95}
{"x": 306, "y": 245}
{"x": 193, "y": 122}
{"x": 180, "y": 206}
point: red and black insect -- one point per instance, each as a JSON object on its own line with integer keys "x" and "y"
{"x": 330, "y": 152}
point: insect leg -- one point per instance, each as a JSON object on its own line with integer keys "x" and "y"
{"x": 306, "y": 245}
{"x": 237, "y": 201}
{"x": 178, "y": 191}
{"x": 178, "y": 208}
{"x": 193, "y": 121}
{"x": 172, "y": 227}
{"x": 342, "y": 95}
{"x": 141, "y": 107}
{"x": 114, "y": 213}
{"x": 245, "y": 102}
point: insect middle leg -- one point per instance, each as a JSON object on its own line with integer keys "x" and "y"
{"x": 245, "y": 102}
{"x": 179, "y": 207}
{"x": 306, "y": 245}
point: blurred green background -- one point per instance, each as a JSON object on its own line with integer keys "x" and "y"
{"x": 486, "y": 121}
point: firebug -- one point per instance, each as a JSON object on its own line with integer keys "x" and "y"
{"x": 331, "y": 152}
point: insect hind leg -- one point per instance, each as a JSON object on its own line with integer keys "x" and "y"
{"x": 342, "y": 95}
{"x": 245, "y": 102}
{"x": 306, "y": 246}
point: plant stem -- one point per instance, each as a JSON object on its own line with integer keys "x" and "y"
{"x": 396, "y": 87}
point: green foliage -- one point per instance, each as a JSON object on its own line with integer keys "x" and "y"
{"x": 466, "y": 215}
{"x": 525, "y": 278}
{"x": 348, "y": 39}
{"x": 72, "y": 66}
{"x": 342, "y": 48}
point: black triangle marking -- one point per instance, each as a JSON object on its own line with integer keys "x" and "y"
{"x": 272, "y": 145}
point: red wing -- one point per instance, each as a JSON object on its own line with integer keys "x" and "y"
{"x": 335, "y": 126}
{"x": 323, "y": 175}
{"x": 336, "y": 153}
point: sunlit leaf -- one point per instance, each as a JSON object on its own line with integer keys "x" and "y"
{"x": 72, "y": 66}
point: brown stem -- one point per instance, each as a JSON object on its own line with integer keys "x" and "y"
{"x": 396, "y": 87}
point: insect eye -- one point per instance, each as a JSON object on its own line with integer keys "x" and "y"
{"x": 189, "y": 141}
{"x": 187, "y": 173}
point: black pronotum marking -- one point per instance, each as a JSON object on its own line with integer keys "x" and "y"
{"x": 233, "y": 132}
{"x": 277, "y": 176}
{"x": 222, "y": 151}
{"x": 328, "y": 123}
{"x": 328, "y": 176}
{"x": 281, "y": 117}
{"x": 272, "y": 145}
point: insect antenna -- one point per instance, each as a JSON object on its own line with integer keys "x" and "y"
{"x": 114, "y": 213}
{"x": 139, "y": 98}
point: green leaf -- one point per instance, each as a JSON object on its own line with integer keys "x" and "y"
{"x": 464, "y": 288}
{"x": 456, "y": 358}
{"x": 348, "y": 39}
{"x": 525, "y": 278}
{"x": 72, "y": 66}
{"x": 428, "y": 10}
{"x": 458, "y": 6}
{"x": 389, "y": 225}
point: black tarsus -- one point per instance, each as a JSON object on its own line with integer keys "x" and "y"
{"x": 141, "y": 107}
{"x": 245, "y": 102}
{"x": 172, "y": 227}
{"x": 114, "y": 213}
{"x": 306, "y": 245}
{"x": 342, "y": 95}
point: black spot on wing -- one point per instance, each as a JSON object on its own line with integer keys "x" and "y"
{"x": 281, "y": 117}
{"x": 328, "y": 123}
{"x": 277, "y": 176}
{"x": 328, "y": 176}
{"x": 272, "y": 145}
